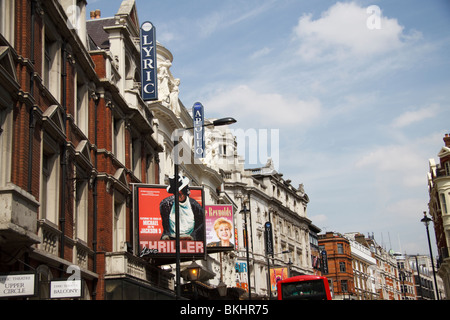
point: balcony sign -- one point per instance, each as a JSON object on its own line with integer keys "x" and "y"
{"x": 149, "y": 79}
{"x": 65, "y": 289}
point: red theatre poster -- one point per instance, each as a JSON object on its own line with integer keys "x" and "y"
{"x": 219, "y": 226}
{"x": 156, "y": 214}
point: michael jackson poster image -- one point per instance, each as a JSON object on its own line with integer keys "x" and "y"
{"x": 156, "y": 211}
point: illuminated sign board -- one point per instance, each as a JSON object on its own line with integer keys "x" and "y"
{"x": 149, "y": 79}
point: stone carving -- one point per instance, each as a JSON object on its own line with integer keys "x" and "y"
{"x": 164, "y": 81}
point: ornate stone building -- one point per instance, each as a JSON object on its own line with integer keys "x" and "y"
{"x": 76, "y": 135}
{"x": 261, "y": 195}
{"x": 439, "y": 191}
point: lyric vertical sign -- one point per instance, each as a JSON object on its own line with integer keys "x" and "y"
{"x": 199, "y": 134}
{"x": 149, "y": 79}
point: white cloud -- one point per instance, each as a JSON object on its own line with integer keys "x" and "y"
{"x": 223, "y": 17}
{"x": 391, "y": 158}
{"x": 262, "y": 108}
{"x": 261, "y": 53}
{"x": 411, "y": 117}
{"x": 395, "y": 165}
{"x": 342, "y": 32}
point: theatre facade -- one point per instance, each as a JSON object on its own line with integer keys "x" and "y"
{"x": 84, "y": 124}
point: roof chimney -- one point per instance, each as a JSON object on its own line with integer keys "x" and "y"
{"x": 447, "y": 140}
{"x": 95, "y": 14}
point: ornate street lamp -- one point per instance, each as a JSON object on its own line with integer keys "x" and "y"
{"x": 269, "y": 287}
{"x": 218, "y": 122}
{"x": 426, "y": 221}
{"x": 222, "y": 289}
{"x": 192, "y": 272}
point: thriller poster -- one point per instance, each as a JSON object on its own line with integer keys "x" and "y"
{"x": 156, "y": 214}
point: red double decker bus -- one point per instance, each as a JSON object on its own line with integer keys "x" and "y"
{"x": 305, "y": 287}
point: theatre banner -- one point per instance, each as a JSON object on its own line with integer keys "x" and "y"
{"x": 155, "y": 209}
{"x": 277, "y": 274}
{"x": 199, "y": 130}
{"x": 219, "y": 227}
{"x": 149, "y": 79}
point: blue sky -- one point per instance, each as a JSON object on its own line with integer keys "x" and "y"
{"x": 359, "y": 108}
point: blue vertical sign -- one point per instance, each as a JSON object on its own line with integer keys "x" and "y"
{"x": 268, "y": 238}
{"x": 199, "y": 141}
{"x": 149, "y": 79}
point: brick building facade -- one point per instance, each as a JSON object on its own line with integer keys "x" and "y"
{"x": 339, "y": 267}
{"x": 75, "y": 135}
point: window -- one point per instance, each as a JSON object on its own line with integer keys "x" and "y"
{"x": 151, "y": 167}
{"x": 7, "y": 20}
{"x": 447, "y": 168}
{"x": 51, "y": 73}
{"x": 344, "y": 286}
{"x": 443, "y": 203}
{"x": 136, "y": 157}
{"x": 81, "y": 205}
{"x": 82, "y": 104}
{"x": 119, "y": 223}
{"x": 342, "y": 267}
{"x": 50, "y": 180}
{"x": 47, "y": 61}
{"x": 340, "y": 248}
{"x": 119, "y": 138}
{"x": 5, "y": 145}
{"x": 223, "y": 150}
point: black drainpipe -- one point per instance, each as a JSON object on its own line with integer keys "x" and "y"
{"x": 94, "y": 240}
{"x": 32, "y": 122}
{"x": 62, "y": 215}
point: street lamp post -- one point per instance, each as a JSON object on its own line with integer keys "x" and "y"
{"x": 426, "y": 221}
{"x": 244, "y": 211}
{"x": 269, "y": 287}
{"x": 215, "y": 123}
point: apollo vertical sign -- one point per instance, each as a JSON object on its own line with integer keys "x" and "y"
{"x": 149, "y": 79}
{"x": 199, "y": 144}
{"x": 268, "y": 238}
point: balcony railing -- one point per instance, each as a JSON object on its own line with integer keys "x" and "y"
{"x": 18, "y": 215}
{"x": 50, "y": 235}
{"x": 120, "y": 264}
